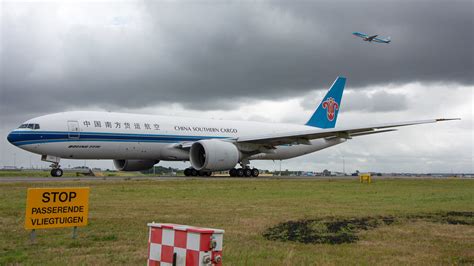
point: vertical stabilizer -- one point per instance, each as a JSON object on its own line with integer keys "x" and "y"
{"x": 325, "y": 115}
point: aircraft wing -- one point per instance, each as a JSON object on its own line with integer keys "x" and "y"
{"x": 372, "y": 37}
{"x": 303, "y": 137}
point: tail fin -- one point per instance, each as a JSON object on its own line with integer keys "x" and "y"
{"x": 326, "y": 114}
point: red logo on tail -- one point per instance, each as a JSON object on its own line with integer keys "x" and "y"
{"x": 331, "y": 106}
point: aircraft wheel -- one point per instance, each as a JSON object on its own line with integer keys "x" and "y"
{"x": 194, "y": 172}
{"x": 58, "y": 172}
{"x": 248, "y": 172}
{"x": 201, "y": 173}
{"x": 255, "y": 172}
{"x": 187, "y": 172}
{"x": 233, "y": 172}
{"x": 239, "y": 172}
{"x": 209, "y": 173}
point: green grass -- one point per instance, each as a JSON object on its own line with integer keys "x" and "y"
{"x": 119, "y": 212}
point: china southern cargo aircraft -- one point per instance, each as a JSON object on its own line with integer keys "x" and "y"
{"x": 137, "y": 142}
{"x": 372, "y": 38}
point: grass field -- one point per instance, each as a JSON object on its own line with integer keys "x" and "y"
{"x": 119, "y": 212}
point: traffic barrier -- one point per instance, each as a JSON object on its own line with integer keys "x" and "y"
{"x": 365, "y": 177}
{"x": 174, "y": 244}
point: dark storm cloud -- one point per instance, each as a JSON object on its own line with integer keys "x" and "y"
{"x": 200, "y": 54}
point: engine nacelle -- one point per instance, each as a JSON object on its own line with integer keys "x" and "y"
{"x": 214, "y": 155}
{"x": 134, "y": 165}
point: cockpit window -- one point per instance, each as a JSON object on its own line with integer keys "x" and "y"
{"x": 30, "y": 126}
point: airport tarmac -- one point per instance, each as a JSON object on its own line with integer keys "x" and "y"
{"x": 17, "y": 179}
{"x": 84, "y": 178}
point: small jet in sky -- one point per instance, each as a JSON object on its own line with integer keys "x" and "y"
{"x": 372, "y": 38}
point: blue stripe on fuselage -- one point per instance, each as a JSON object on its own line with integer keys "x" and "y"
{"x": 35, "y": 137}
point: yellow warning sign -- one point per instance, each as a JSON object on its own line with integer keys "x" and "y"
{"x": 56, "y": 207}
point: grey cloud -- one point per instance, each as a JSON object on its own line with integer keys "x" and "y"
{"x": 198, "y": 54}
{"x": 221, "y": 55}
{"x": 379, "y": 100}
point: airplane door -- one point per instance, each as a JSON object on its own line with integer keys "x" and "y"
{"x": 74, "y": 130}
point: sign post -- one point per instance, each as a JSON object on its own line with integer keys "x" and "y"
{"x": 74, "y": 232}
{"x": 56, "y": 207}
{"x": 33, "y": 235}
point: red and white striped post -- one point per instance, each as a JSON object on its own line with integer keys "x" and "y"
{"x": 183, "y": 245}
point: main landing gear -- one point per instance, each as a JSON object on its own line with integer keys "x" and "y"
{"x": 245, "y": 170}
{"x": 194, "y": 172}
{"x": 234, "y": 172}
{"x": 241, "y": 172}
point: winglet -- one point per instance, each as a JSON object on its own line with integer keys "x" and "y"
{"x": 325, "y": 115}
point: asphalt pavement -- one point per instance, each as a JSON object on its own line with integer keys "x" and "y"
{"x": 27, "y": 179}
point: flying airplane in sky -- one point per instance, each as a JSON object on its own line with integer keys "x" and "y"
{"x": 372, "y": 38}
{"x": 137, "y": 142}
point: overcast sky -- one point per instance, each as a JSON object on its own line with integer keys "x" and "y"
{"x": 265, "y": 61}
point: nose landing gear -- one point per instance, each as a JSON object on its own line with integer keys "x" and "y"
{"x": 56, "y": 172}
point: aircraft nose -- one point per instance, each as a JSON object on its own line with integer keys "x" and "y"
{"x": 10, "y": 138}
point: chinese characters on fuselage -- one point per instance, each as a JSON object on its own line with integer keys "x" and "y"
{"x": 153, "y": 126}
{"x": 120, "y": 125}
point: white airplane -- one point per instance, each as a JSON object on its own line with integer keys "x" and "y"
{"x": 137, "y": 142}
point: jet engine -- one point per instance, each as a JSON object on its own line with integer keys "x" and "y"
{"x": 134, "y": 165}
{"x": 214, "y": 155}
